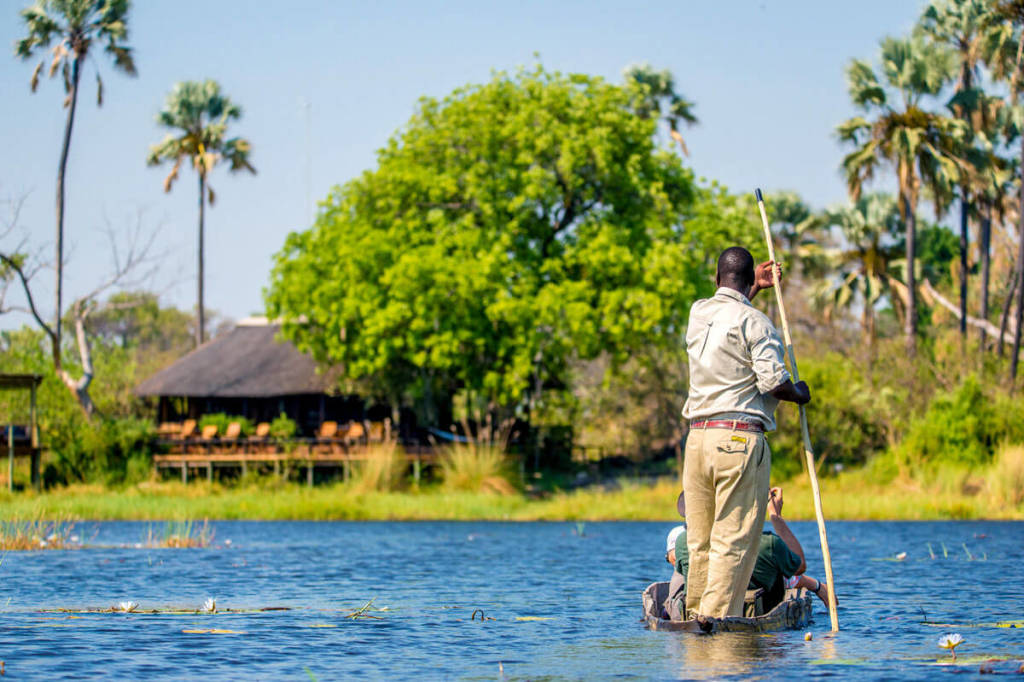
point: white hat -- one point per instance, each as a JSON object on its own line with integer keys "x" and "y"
{"x": 670, "y": 544}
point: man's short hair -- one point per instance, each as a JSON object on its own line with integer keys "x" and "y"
{"x": 736, "y": 266}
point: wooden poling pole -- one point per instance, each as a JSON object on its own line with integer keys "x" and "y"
{"x": 808, "y": 451}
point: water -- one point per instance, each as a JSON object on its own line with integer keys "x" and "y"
{"x": 433, "y": 576}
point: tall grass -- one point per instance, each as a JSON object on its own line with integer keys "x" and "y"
{"x": 35, "y": 533}
{"x": 477, "y": 467}
{"x": 1006, "y": 477}
{"x": 180, "y": 534}
{"x": 382, "y": 470}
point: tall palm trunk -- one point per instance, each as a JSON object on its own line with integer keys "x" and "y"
{"x": 910, "y": 323}
{"x": 201, "y": 318}
{"x": 965, "y": 206}
{"x": 986, "y": 261}
{"x": 61, "y": 170}
{"x": 1020, "y": 276}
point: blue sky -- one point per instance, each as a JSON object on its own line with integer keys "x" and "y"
{"x": 766, "y": 76}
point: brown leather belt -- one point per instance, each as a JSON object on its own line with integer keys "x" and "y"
{"x": 726, "y": 424}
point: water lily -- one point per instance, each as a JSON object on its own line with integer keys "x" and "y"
{"x": 951, "y": 642}
{"x": 210, "y": 605}
{"x": 127, "y": 606}
{"x": 901, "y": 556}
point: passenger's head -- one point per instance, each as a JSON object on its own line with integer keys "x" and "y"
{"x": 670, "y": 543}
{"x": 735, "y": 269}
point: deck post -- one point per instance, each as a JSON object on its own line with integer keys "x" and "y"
{"x": 34, "y": 438}
{"x": 416, "y": 469}
{"x": 209, "y": 472}
{"x": 277, "y": 468}
{"x": 10, "y": 457}
{"x": 245, "y": 468}
{"x": 309, "y": 473}
{"x": 345, "y": 473}
{"x": 184, "y": 472}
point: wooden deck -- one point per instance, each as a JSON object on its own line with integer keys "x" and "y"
{"x": 206, "y": 456}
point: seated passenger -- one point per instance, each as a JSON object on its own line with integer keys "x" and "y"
{"x": 780, "y": 563}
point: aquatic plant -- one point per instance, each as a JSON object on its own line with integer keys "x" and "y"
{"x": 180, "y": 534}
{"x": 951, "y": 641}
{"x": 35, "y": 533}
{"x": 361, "y": 612}
{"x": 127, "y": 606}
{"x": 210, "y": 605}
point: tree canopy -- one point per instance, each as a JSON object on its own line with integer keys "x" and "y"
{"x": 507, "y": 230}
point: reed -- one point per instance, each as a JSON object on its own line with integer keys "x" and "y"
{"x": 35, "y": 533}
{"x": 180, "y": 535}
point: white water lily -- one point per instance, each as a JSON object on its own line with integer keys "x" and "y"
{"x": 951, "y": 642}
{"x": 210, "y": 605}
{"x": 127, "y": 606}
{"x": 901, "y": 556}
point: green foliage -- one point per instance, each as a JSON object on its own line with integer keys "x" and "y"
{"x": 282, "y": 427}
{"x": 963, "y": 426}
{"x": 937, "y": 248}
{"x": 222, "y": 421}
{"x": 507, "y": 229}
{"x": 846, "y": 418}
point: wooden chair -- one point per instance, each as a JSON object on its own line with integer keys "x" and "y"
{"x": 260, "y": 441}
{"x": 355, "y": 433}
{"x": 184, "y": 434}
{"x": 208, "y": 435}
{"x": 328, "y": 436}
{"x": 377, "y": 433}
{"x": 232, "y": 436}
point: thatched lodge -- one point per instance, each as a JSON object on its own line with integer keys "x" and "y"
{"x": 250, "y": 372}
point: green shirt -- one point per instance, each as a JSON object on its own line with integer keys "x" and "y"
{"x": 775, "y": 561}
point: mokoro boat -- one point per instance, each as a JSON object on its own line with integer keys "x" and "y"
{"x": 792, "y": 613}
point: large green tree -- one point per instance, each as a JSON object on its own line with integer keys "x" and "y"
{"x": 199, "y": 114}
{"x": 73, "y": 26}
{"x": 507, "y": 230}
{"x": 903, "y": 136}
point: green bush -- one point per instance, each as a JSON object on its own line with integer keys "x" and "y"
{"x": 964, "y": 427}
{"x": 845, "y": 418}
{"x": 222, "y": 420}
{"x": 282, "y": 427}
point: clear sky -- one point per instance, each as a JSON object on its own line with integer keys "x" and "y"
{"x": 766, "y": 76}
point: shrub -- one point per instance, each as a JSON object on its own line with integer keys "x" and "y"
{"x": 282, "y": 427}
{"x": 960, "y": 427}
{"x": 477, "y": 467}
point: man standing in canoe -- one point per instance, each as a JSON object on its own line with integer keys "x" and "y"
{"x": 737, "y": 378}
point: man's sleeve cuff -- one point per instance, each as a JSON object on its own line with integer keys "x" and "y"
{"x": 769, "y": 384}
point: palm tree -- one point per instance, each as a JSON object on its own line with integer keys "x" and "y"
{"x": 916, "y": 143}
{"x": 75, "y": 25}
{"x": 1007, "y": 63}
{"x": 869, "y": 248}
{"x": 655, "y": 95}
{"x": 200, "y": 113}
{"x": 961, "y": 25}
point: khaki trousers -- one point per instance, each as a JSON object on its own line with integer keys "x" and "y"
{"x": 725, "y": 479}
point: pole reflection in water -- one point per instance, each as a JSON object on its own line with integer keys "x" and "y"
{"x": 727, "y": 653}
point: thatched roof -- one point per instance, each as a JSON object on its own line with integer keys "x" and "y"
{"x": 247, "y": 362}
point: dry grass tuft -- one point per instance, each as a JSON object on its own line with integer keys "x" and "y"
{"x": 1006, "y": 477}
{"x": 383, "y": 469}
{"x": 477, "y": 467}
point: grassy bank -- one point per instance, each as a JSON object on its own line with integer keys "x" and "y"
{"x": 850, "y": 496}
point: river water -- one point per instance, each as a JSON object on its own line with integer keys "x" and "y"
{"x": 559, "y": 601}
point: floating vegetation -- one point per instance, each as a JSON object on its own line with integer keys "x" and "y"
{"x": 362, "y": 612}
{"x": 210, "y": 605}
{"x": 178, "y": 535}
{"x": 532, "y": 618}
{"x": 127, "y": 606}
{"x": 997, "y": 624}
{"x": 212, "y": 631}
{"x": 36, "y": 533}
{"x": 167, "y": 611}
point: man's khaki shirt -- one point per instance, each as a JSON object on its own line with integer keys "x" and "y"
{"x": 736, "y": 358}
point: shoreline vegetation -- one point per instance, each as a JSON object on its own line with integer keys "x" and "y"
{"x": 846, "y": 497}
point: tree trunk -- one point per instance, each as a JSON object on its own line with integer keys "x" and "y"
{"x": 1020, "y": 277}
{"x": 986, "y": 260}
{"x": 1007, "y": 302}
{"x": 910, "y": 323}
{"x": 200, "y": 313}
{"x": 964, "y": 208}
{"x": 61, "y": 171}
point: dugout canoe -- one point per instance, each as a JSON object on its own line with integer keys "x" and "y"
{"x": 792, "y": 613}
